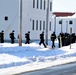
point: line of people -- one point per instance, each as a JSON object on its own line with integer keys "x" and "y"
{"x": 11, "y": 35}
{"x": 53, "y": 37}
{"x": 64, "y": 39}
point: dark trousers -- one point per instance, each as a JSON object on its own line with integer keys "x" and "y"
{"x": 27, "y": 42}
{"x": 1, "y": 40}
{"x": 59, "y": 44}
{"x": 53, "y": 45}
{"x": 12, "y": 41}
{"x": 42, "y": 42}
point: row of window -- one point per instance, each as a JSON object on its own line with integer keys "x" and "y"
{"x": 70, "y": 22}
{"x": 60, "y": 22}
{"x": 39, "y": 25}
{"x": 41, "y": 4}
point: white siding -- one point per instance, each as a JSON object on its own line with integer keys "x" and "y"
{"x": 30, "y": 14}
{"x": 10, "y": 8}
{"x": 65, "y": 25}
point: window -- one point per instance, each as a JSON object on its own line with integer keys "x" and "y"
{"x": 40, "y": 24}
{"x": 44, "y": 4}
{"x": 40, "y": 4}
{"x": 6, "y": 18}
{"x": 50, "y": 26}
{"x": 33, "y": 25}
{"x": 50, "y": 6}
{"x": 33, "y": 3}
{"x": 36, "y": 24}
{"x": 43, "y": 25}
{"x": 60, "y": 22}
{"x": 70, "y": 22}
{"x": 37, "y": 3}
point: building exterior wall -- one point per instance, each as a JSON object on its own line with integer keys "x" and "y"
{"x": 35, "y": 16}
{"x": 65, "y": 25}
{"x": 30, "y": 15}
{"x": 9, "y": 10}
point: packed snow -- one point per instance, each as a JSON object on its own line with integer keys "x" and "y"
{"x": 15, "y": 59}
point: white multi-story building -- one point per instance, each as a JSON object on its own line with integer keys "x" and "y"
{"x": 33, "y": 17}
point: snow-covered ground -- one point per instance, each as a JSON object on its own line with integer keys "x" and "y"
{"x": 15, "y": 59}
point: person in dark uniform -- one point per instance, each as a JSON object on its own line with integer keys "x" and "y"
{"x": 53, "y": 37}
{"x": 12, "y": 36}
{"x": 66, "y": 39}
{"x": 27, "y": 36}
{"x": 42, "y": 39}
{"x": 2, "y": 36}
{"x": 73, "y": 38}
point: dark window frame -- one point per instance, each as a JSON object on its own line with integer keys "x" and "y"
{"x": 36, "y": 24}
{"x": 6, "y": 18}
{"x": 50, "y": 26}
{"x": 50, "y": 6}
{"x": 33, "y": 24}
{"x": 43, "y": 25}
{"x": 60, "y": 22}
{"x": 40, "y": 25}
{"x": 40, "y": 4}
{"x": 44, "y": 4}
{"x": 33, "y": 3}
{"x": 70, "y": 22}
{"x": 37, "y": 4}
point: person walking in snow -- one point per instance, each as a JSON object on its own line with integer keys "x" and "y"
{"x": 12, "y": 37}
{"x": 53, "y": 37}
{"x": 2, "y": 36}
{"x": 42, "y": 39}
{"x": 27, "y": 36}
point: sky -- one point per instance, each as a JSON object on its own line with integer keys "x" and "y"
{"x": 64, "y": 5}
{"x": 15, "y": 59}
